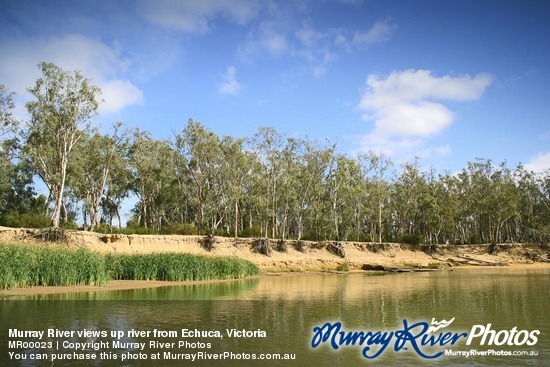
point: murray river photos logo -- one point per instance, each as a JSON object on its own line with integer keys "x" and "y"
{"x": 427, "y": 340}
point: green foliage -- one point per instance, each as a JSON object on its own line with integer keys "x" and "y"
{"x": 177, "y": 267}
{"x": 475, "y": 239}
{"x": 137, "y": 230}
{"x": 63, "y": 104}
{"x": 181, "y": 229}
{"x": 69, "y": 225}
{"x": 7, "y": 122}
{"x": 343, "y": 266}
{"x": 411, "y": 239}
{"x": 26, "y": 266}
{"x": 25, "y": 220}
{"x": 250, "y": 232}
{"x": 177, "y": 229}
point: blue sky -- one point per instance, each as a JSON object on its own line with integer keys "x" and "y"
{"x": 447, "y": 81}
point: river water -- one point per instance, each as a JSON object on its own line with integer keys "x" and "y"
{"x": 287, "y": 308}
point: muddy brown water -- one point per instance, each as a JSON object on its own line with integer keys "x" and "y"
{"x": 287, "y": 308}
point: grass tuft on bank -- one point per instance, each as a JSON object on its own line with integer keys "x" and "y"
{"x": 28, "y": 265}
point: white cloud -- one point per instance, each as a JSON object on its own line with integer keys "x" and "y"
{"x": 97, "y": 61}
{"x": 318, "y": 47}
{"x": 381, "y": 31}
{"x": 443, "y": 150}
{"x": 401, "y": 149}
{"x": 407, "y": 107}
{"x": 272, "y": 41}
{"x": 539, "y": 163}
{"x": 308, "y": 35}
{"x": 379, "y": 142}
{"x": 230, "y": 84}
{"x": 414, "y": 119}
{"x": 193, "y": 16}
{"x": 403, "y": 103}
{"x": 118, "y": 94}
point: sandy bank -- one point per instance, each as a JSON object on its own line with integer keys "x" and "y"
{"x": 306, "y": 256}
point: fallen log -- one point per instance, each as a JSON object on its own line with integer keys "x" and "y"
{"x": 391, "y": 269}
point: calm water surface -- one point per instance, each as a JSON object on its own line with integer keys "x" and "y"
{"x": 287, "y": 307}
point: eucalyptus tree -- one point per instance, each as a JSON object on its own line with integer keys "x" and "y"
{"x": 343, "y": 179}
{"x": 15, "y": 178}
{"x": 254, "y": 202}
{"x": 288, "y": 192}
{"x": 533, "y": 221}
{"x": 8, "y": 123}
{"x": 65, "y": 101}
{"x": 268, "y": 145}
{"x": 218, "y": 167}
{"x": 359, "y": 197}
{"x": 406, "y": 192}
{"x": 448, "y": 198}
{"x": 236, "y": 172}
{"x": 377, "y": 190}
{"x": 543, "y": 206}
{"x": 429, "y": 217}
{"x": 312, "y": 167}
{"x": 504, "y": 201}
{"x": 151, "y": 162}
{"x": 475, "y": 196}
{"x": 17, "y": 195}
{"x": 489, "y": 197}
{"x": 93, "y": 161}
{"x": 199, "y": 156}
{"x": 119, "y": 187}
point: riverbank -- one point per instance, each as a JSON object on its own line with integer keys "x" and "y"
{"x": 291, "y": 256}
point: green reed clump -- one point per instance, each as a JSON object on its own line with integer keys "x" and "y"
{"x": 223, "y": 266}
{"x": 177, "y": 267}
{"x": 61, "y": 266}
{"x": 25, "y": 266}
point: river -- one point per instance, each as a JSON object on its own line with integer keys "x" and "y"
{"x": 280, "y": 312}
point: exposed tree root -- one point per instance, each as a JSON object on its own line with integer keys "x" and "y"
{"x": 262, "y": 246}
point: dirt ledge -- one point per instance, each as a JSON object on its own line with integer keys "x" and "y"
{"x": 292, "y": 256}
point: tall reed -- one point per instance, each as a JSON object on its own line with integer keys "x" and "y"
{"x": 177, "y": 267}
{"x": 26, "y": 266}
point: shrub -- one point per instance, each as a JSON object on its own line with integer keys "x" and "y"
{"x": 411, "y": 239}
{"x": 26, "y": 220}
{"x": 250, "y": 232}
{"x": 343, "y": 267}
{"x": 138, "y": 230}
{"x": 69, "y": 225}
{"x": 181, "y": 229}
{"x": 475, "y": 239}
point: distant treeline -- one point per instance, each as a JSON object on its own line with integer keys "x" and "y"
{"x": 268, "y": 185}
